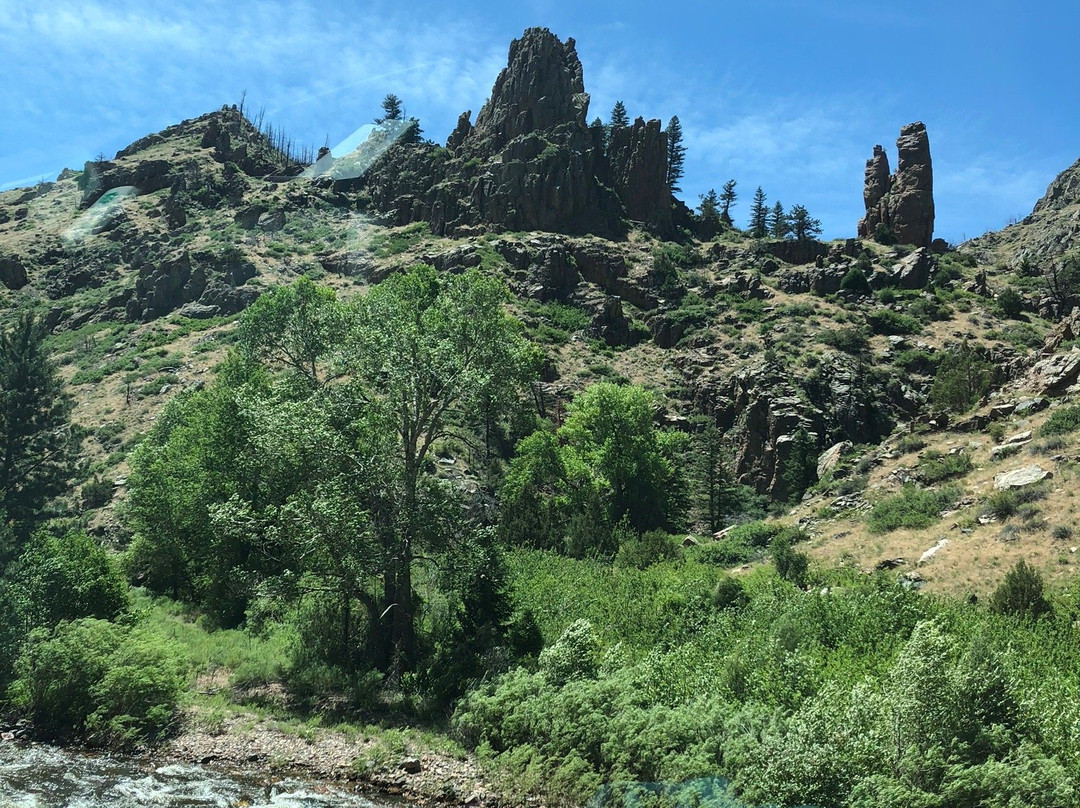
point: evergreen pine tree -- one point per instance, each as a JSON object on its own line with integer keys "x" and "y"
{"x": 37, "y": 446}
{"x": 619, "y": 116}
{"x": 709, "y": 209}
{"x": 709, "y": 222}
{"x": 599, "y": 133}
{"x": 759, "y": 215}
{"x": 392, "y": 110}
{"x": 803, "y": 226}
{"x": 779, "y": 223}
{"x": 727, "y": 199}
{"x": 676, "y": 153}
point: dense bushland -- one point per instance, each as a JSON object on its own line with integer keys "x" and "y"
{"x": 854, "y": 693}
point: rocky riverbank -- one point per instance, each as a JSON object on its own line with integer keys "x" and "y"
{"x": 387, "y": 764}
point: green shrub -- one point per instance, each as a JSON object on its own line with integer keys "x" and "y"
{"x": 935, "y": 466}
{"x": 576, "y": 655}
{"x": 855, "y": 281}
{"x": 928, "y": 310}
{"x": 849, "y": 340}
{"x": 912, "y": 508}
{"x": 1011, "y": 302}
{"x": 66, "y": 577}
{"x": 962, "y": 378}
{"x": 729, "y": 593}
{"x": 889, "y": 322}
{"x": 1002, "y": 504}
{"x": 96, "y": 493}
{"x": 883, "y": 234}
{"x": 1061, "y": 422}
{"x": 649, "y": 548}
{"x": 910, "y": 443}
{"x": 1021, "y": 593}
{"x": 97, "y": 680}
{"x": 790, "y": 564}
{"x": 914, "y": 361}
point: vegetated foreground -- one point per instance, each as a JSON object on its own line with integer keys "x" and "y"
{"x": 488, "y": 510}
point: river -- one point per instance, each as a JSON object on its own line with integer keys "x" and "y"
{"x": 38, "y": 776}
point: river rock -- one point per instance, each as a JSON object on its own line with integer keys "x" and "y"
{"x": 1019, "y": 478}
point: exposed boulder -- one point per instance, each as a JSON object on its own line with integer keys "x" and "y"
{"x": 1019, "y": 478}
{"x": 904, "y": 201}
{"x": 1054, "y": 375}
{"x": 1065, "y": 331}
{"x": 830, "y": 458}
{"x": 208, "y": 278}
{"x": 816, "y": 280}
{"x": 794, "y": 251}
{"x": 147, "y": 176}
{"x": 610, "y": 324}
{"x": 911, "y": 272}
{"x": 12, "y": 272}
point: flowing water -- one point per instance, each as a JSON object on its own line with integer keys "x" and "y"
{"x": 45, "y": 777}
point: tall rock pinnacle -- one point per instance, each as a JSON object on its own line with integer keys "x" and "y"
{"x": 542, "y": 87}
{"x": 904, "y": 201}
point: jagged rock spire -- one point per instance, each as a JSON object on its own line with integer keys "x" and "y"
{"x": 903, "y": 201}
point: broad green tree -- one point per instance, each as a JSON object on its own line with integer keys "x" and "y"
{"x": 293, "y": 327}
{"x": 426, "y": 352}
{"x": 607, "y": 463}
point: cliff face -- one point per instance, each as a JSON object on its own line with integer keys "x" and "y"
{"x": 904, "y": 201}
{"x": 530, "y": 162}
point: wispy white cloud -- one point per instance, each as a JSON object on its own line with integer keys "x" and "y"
{"x": 115, "y": 70}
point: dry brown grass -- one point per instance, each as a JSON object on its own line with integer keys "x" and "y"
{"x": 977, "y": 555}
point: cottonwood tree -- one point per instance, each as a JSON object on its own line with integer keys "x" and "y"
{"x": 607, "y": 463}
{"x": 425, "y": 352}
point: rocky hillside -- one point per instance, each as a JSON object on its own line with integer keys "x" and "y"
{"x": 140, "y": 265}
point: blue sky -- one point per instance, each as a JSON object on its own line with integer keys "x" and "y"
{"x": 788, "y": 95}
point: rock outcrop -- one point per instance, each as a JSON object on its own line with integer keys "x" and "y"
{"x": 541, "y": 89}
{"x": 903, "y": 202}
{"x": 530, "y": 162}
{"x": 1063, "y": 191}
{"x": 637, "y": 166}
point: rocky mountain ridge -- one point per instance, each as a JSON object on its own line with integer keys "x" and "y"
{"x": 790, "y": 347}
